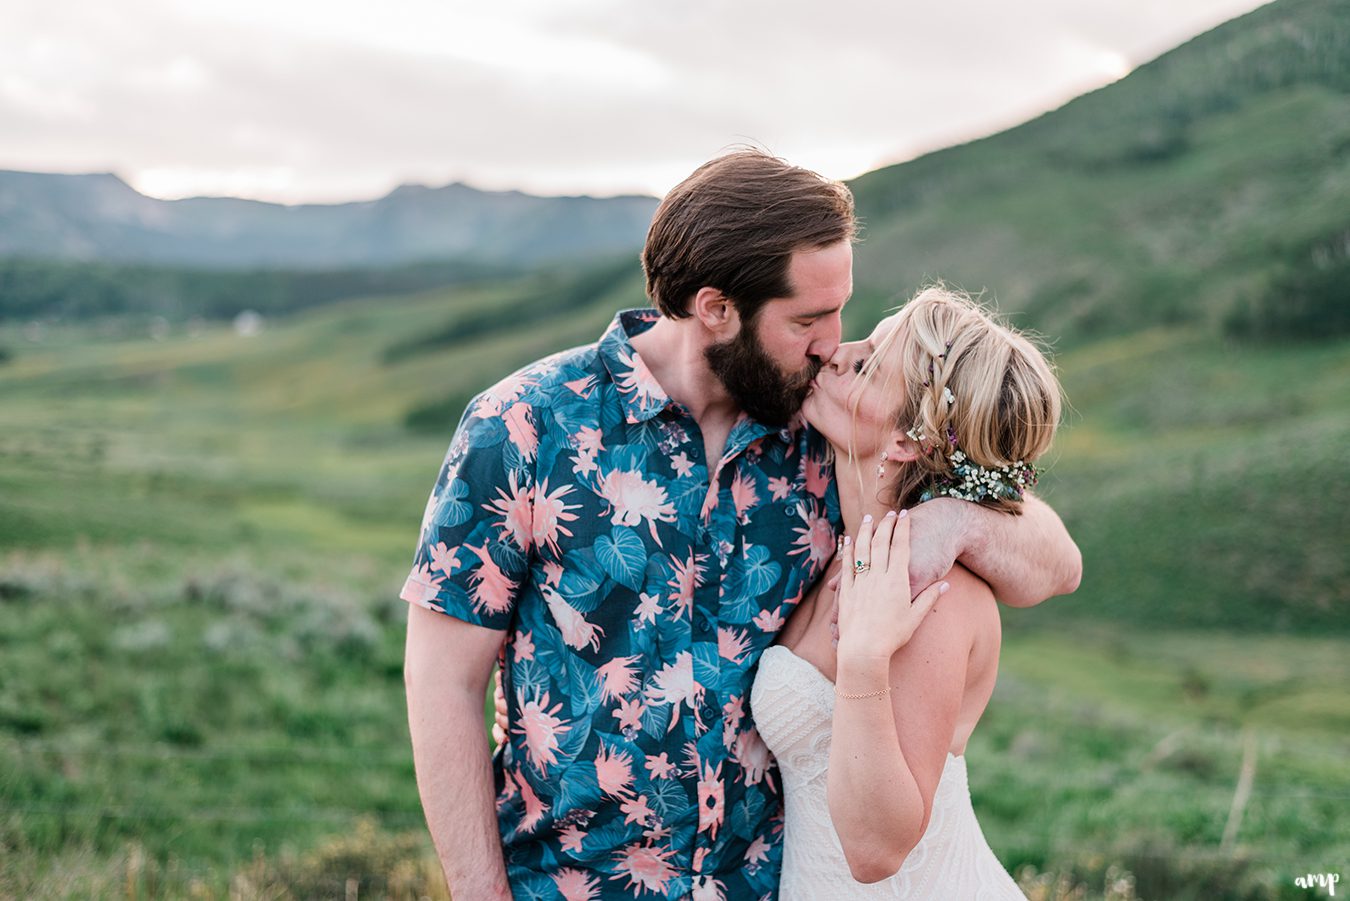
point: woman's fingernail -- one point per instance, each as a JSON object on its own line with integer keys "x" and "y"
{"x": 942, "y": 589}
{"x": 889, "y": 515}
{"x": 847, "y": 541}
{"x": 867, "y": 518}
{"x": 904, "y": 513}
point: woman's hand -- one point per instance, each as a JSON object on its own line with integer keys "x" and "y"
{"x": 876, "y": 616}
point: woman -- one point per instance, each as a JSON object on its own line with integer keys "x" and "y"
{"x": 870, "y": 735}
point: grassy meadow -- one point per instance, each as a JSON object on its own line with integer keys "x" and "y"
{"x": 202, "y": 534}
{"x": 202, "y": 537}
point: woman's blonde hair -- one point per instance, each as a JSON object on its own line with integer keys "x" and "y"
{"x": 968, "y": 382}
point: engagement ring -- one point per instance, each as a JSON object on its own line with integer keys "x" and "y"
{"x": 860, "y": 567}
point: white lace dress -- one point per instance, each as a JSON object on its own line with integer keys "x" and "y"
{"x": 793, "y": 706}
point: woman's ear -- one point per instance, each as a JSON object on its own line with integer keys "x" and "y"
{"x": 902, "y": 449}
{"x": 716, "y": 311}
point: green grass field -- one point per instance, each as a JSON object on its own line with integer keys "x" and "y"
{"x": 201, "y": 540}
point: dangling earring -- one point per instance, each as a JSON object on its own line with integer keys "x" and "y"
{"x": 881, "y": 467}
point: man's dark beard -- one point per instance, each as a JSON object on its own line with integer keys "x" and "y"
{"x": 754, "y": 381}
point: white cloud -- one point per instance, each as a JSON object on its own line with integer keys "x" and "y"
{"x": 308, "y": 100}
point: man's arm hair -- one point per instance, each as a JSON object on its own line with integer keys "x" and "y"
{"x": 446, "y": 668}
{"x": 1025, "y": 559}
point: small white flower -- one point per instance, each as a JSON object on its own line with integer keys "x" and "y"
{"x": 947, "y": 393}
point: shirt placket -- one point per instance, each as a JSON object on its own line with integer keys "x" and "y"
{"x": 720, "y": 525}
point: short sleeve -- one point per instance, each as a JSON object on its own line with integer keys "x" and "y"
{"x": 473, "y": 552}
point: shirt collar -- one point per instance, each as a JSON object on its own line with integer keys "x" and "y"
{"x": 639, "y": 392}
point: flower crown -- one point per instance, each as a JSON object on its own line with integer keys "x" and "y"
{"x": 969, "y": 481}
{"x": 973, "y": 482}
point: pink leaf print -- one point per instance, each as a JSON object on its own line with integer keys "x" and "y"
{"x": 687, "y": 578}
{"x": 421, "y": 587}
{"x": 733, "y": 712}
{"x": 649, "y": 605}
{"x": 588, "y": 440}
{"x": 636, "y": 811}
{"x": 541, "y": 727}
{"x": 711, "y": 800}
{"x": 493, "y": 589}
{"x": 732, "y": 644}
{"x": 553, "y": 573}
{"x": 758, "y": 852}
{"x": 512, "y": 387}
{"x": 675, "y": 684}
{"x": 549, "y": 514}
{"x": 629, "y": 713}
{"x": 682, "y": 464}
{"x": 753, "y": 756}
{"x": 524, "y": 646}
{"x": 570, "y": 838}
{"x": 706, "y": 888}
{"x": 638, "y": 379}
{"x": 534, "y": 808}
{"x": 617, "y": 677}
{"x": 581, "y": 387}
{"x": 577, "y": 633}
{"x": 520, "y": 430}
{"x": 488, "y": 407}
{"x": 583, "y": 464}
{"x": 816, "y": 540}
{"x": 509, "y": 789}
{"x": 817, "y": 475}
{"x": 576, "y": 885}
{"x": 614, "y": 772}
{"x": 633, "y": 499}
{"x": 744, "y": 495}
{"x": 444, "y": 559}
{"x": 779, "y": 487}
{"x": 516, "y": 507}
{"x": 769, "y": 621}
{"x": 660, "y": 766}
{"x": 646, "y": 867}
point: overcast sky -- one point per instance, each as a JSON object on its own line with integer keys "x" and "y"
{"x": 331, "y": 100}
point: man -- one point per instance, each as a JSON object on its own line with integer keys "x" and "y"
{"x": 626, "y": 526}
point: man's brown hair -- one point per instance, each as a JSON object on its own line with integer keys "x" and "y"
{"x": 734, "y": 224}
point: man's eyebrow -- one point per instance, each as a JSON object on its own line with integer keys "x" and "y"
{"x": 829, "y": 311}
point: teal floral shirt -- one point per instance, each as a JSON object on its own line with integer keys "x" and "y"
{"x": 638, "y": 586}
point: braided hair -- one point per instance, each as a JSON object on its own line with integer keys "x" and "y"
{"x": 969, "y": 383}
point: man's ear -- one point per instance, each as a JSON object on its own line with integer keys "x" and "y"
{"x": 902, "y": 449}
{"x": 716, "y": 311}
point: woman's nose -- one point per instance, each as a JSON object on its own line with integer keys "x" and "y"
{"x": 843, "y": 356}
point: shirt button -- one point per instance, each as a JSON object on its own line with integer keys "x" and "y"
{"x": 702, "y": 626}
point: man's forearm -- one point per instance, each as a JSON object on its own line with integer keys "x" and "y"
{"x": 454, "y": 779}
{"x": 1025, "y": 559}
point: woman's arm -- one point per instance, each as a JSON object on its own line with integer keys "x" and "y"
{"x": 888, "y": 749}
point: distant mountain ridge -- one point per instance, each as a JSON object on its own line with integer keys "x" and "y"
{"x": 99, "y": 217}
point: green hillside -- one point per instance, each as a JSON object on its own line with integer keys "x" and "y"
{"x": 1188, "y": 192}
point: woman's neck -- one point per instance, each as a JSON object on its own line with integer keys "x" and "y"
{"x": 860, "y": 491}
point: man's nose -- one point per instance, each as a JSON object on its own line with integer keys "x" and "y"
{"x": 827, "y": 346}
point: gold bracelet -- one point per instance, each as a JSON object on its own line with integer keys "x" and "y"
{"x": 869, "y": 694}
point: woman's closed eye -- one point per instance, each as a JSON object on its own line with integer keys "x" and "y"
{"x": 858, "y": 364}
